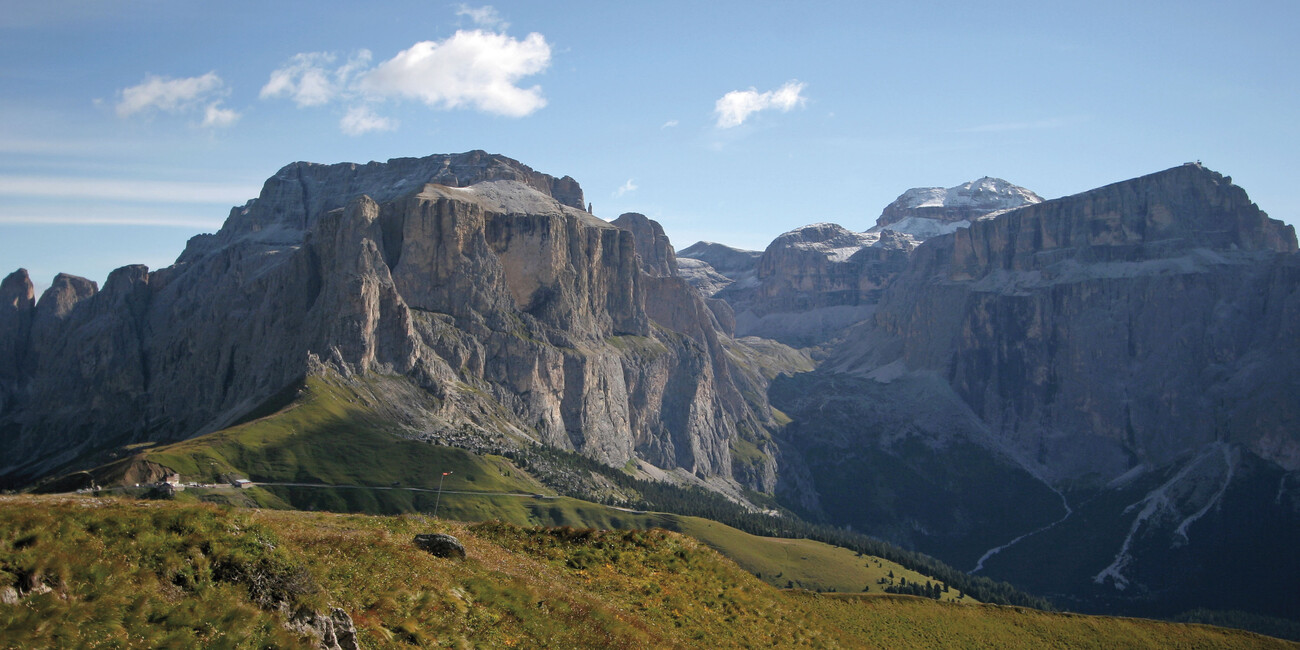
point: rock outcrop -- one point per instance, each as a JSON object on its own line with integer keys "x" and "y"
{"x": 477, "y": 278}
{"x": 17, "y": 309}
{"x": 652, "y": 245}
{"x": 333, "y": 631}
{"x": 441, "y": 545}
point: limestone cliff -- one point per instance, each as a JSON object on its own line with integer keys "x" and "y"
{"x": 479, "y": 279}
{"x": 1092, "y": 396}
{"x": 1121, "y": 326}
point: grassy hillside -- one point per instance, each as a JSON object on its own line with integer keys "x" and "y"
{"x": 804, "y": 563}
{"x": 796, "y": 563}
{"x": 326, "y": 437}
{"x": 101, "y": 572}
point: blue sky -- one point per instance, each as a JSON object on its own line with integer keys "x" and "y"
{"x": 127, "y": 127}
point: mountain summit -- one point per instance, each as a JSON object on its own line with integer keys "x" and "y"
{"x": 1111, "y": 373}
{"x": 508, "y": 315}
{"x": 928, "y": 211}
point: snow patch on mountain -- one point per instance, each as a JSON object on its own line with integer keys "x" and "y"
{"x": 925, "y": 212}
{"x": 987, "y": 193}
{"x": 922, "y": 228}
{"x": 838, "y": 243}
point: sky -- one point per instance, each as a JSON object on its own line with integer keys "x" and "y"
{"x": 128, "y": 126}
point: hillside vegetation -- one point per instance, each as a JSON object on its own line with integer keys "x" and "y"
{"x": 325, "y": 449}
{"x": 103, "y": 572}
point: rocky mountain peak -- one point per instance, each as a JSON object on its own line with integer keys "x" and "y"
{"x": 17, "y": 291}
{"x": 469, "y": 278}
{"x": 300, "y": 193}
{"x": 928, "y": 211}
{"x": 652, "y": 245}
{"x": 711, "y": 267}
{"x": 725, "y": 259}
{"x": 1153, "y": 217}
{"x": 63, "y": 295}
{"x": 17, "y": 305}
{"x": 818, "y": 233}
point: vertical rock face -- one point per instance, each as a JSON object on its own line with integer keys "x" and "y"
{"x": 1156, "y": 216}
{"x": 1124, "y": 325}
{"x": 480, "y": 279}
{"x": 1092, "y": 396}
{"x": 17, "y": 307}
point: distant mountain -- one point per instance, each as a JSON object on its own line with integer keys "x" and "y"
{"x": 478, "y": 280}
{"x": 712, "y": 267}
{"x": 925, "y": 212}
{"x": 813, "y": 282}
{"x": 1092, "y": 396}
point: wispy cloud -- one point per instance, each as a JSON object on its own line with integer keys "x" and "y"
{"x": 360, "y": 119}
{"x": 629, "y": 186}
{"x": 736, "y": 106}
{"x": 164, "y": 221}
{"x": 669, "y": 124}
{"x": 312, "y": 79}
{"x": 189, "y": 95}
{"x": 67, "y": 187}
{"x": 214, "y": 115}
{"x": 1049, "y": 123}
{"x": 485, "y": 16}
{"x": 43, "y": 146}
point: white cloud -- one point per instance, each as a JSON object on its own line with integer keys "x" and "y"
{"x": 310, "y": 78}
{"x": 471, "y": 69}
{"x": 669, "y": 124}
{"x": 69, "y": 187}
{"x": 111, "y": 219}
{"x": 168, "y": 95}
{"x": 214, "y": 115}
{"x": 485, "y": 16}
{"x": 736, "y": 106}
{"x": 360, "y": 119}
{"x": 178, "y": 96}
{"x": 629, "y": 186}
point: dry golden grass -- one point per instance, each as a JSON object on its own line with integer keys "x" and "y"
{"x": 149, "y": 574}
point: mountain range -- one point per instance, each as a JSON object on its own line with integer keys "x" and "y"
{"x": 1092, "y": 397}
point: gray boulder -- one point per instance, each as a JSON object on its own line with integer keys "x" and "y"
{"x": 441, "y": 545}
